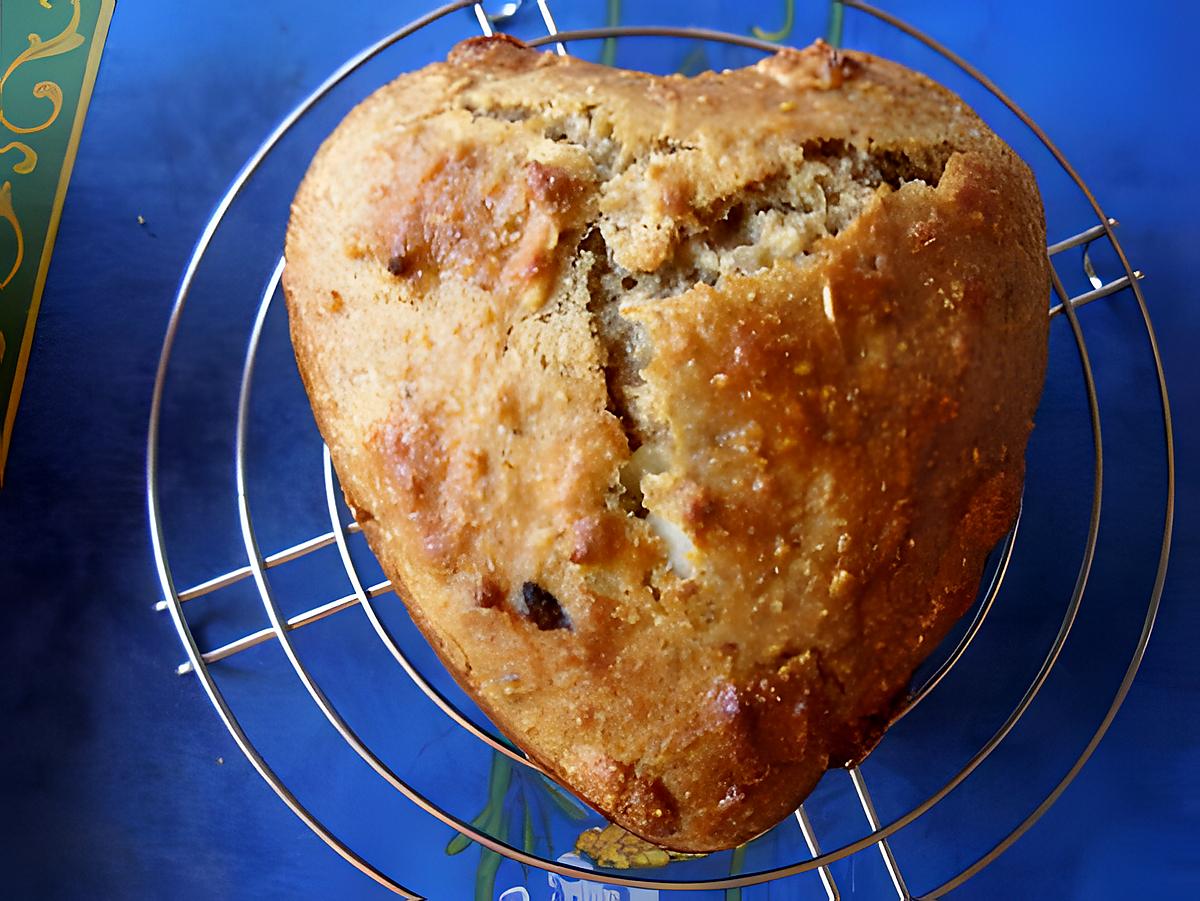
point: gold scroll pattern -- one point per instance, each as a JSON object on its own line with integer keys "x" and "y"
{"x": 65, "y": 41}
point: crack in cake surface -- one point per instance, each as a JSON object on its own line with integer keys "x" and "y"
{"x": 783, "y": 218}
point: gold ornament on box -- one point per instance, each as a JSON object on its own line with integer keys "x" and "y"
{"x": 45, "y": 85}
{"x": 63, "y": 42}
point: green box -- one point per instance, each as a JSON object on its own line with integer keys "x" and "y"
{"x": 49, "y": 52}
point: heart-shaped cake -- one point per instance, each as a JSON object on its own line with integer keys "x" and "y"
{"x": 681, "y": 412}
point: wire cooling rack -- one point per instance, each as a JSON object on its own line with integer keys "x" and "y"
{"x": 798, "y": 856}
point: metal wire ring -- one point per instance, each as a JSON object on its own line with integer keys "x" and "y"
{"x": 231, "y": 722}
{"x": 879, "y": 833}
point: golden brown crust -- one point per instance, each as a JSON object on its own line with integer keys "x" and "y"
{"x": 834, "y": 410}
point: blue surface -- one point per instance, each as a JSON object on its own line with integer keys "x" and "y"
{"x": 119, "y": 782}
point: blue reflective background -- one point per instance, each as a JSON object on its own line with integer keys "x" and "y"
{"x": 119, "y": 781}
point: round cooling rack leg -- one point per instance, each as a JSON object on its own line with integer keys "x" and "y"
{"x": 385, "y": 635}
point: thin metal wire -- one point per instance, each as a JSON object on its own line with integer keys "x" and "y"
{"x": 657, "y": 31}
{"x": 548, "y": 18}
{"x": 1102, "y": 290}
{"x": 885, "y": 849}
{"x": 485, "y": 23}
{"x": 287, "y": 555}
{"x": 507, "y": 10}
{"x": 363, "y": 597}
{"x": 814, "y": 848}
{"x": 308, "y": 617}
{"x": 1088, "y": 234}
{"x": 1077, "y": 594}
